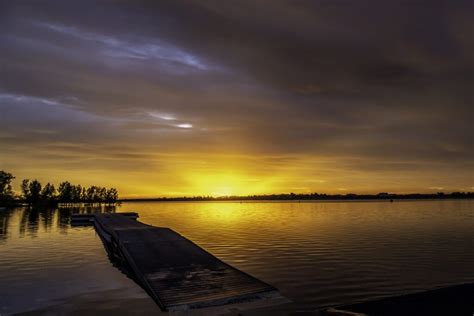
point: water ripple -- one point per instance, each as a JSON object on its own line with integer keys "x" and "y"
{"x": 317, "y": 254}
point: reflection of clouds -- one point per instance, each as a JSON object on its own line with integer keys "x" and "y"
{"x": 147, "y": 49}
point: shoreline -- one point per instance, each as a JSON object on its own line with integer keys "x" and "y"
{"x": 168, "y": 200}
{"x": 450, "y": 300}
{"x": 218, "y": 200}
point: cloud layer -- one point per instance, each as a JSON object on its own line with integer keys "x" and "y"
{"x": 324, "y": 96}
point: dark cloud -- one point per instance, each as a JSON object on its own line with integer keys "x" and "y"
{"x": 387, "y": 83}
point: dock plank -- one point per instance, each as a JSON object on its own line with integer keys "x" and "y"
{"x": 177, "y": 273}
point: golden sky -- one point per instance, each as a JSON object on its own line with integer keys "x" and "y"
{"x": 172, "y": 98}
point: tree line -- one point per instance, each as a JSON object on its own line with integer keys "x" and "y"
{"x": 312, "y": 197}
{"x": 34, "y": 193}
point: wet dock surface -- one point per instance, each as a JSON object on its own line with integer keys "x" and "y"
{"x": 174, "y": 271}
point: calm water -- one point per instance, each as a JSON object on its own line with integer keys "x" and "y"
{"x": 317, "y": 254}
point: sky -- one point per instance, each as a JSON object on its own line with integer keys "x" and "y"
{"x": 190, "y": 97}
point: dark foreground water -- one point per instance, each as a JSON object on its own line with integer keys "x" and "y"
{"x": 317, "y": 254}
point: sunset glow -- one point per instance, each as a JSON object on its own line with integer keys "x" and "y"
{"x": 230, "y": 102}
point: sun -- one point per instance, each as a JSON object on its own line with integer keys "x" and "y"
{"x": 224, "y": 191}
{"x": 221, "y": 184}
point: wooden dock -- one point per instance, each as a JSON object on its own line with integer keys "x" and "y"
{"x": 175, "y": 272}
{"x": 87, "y": 219}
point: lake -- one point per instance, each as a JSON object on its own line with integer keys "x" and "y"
{"x": 316, "y": 253}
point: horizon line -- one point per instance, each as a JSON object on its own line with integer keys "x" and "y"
{"x": 295, "y": 196}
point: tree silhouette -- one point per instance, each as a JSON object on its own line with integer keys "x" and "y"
{"x": 65, "y": 192}
{"x": 111, "y": 195}
{"x": 48, "y": 194}
{"x": 76, "y": 191}
{"x": 25, "y": 190}
{"x": 34, "y": 192}
{"x": 6, "y": 192}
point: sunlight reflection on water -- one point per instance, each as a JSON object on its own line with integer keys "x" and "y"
{"x": 317, "y": 254}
